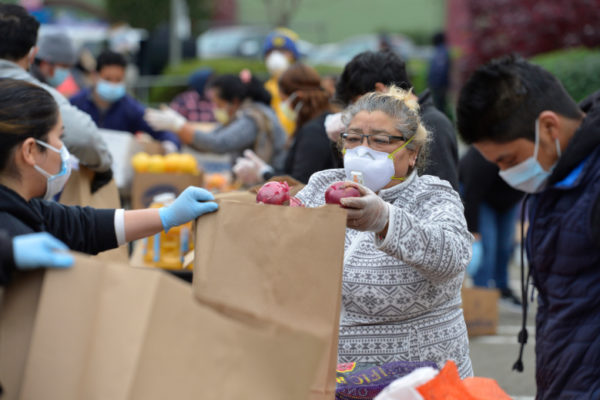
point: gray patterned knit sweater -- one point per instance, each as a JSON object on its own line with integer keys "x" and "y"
{"x": 401, "y": 295}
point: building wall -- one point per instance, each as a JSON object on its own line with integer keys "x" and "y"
{"x": 321, "y": 21}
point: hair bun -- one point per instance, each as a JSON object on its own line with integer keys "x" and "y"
{"x": 406, "y": 96}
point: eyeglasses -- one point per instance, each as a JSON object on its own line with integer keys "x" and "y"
{"x": 378, "y": 141}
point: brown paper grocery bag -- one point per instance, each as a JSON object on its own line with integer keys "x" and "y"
{"x": 18, "y": 311}
{"x": 276, "y": 263}
{"x": 242, "y": 196}
{"x": 78, "y": 192}
{"x": 294, "y": 184}
{"x": 121, "y": 333}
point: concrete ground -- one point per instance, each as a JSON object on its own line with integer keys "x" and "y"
{"x": 494, "y": 356}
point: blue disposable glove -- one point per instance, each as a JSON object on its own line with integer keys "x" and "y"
{"x": 476, "y": 259}
{"x": 189, "y": 205}
{"x": 40, "y": 250}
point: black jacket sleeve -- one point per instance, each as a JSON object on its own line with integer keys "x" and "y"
{"x": 310, "y": 153}
{"x": 83, "y": 229}
{"x": 7, "y": 263}
{"x": 443, "y": 148}
{"x": 476, "y": 177}
{"x": 596, "y": 222}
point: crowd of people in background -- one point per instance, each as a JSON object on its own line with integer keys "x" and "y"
{"x": 424, "y": 213}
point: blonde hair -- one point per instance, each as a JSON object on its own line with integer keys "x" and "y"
{"x": 400, "y": 105}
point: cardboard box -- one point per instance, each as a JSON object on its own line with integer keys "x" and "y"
{"x": 480, "y": 308}
{"x": 120, "y": 333}
{"x": 146, "y": 186}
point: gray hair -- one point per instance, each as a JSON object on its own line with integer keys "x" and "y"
{"x": 398, "y": 104}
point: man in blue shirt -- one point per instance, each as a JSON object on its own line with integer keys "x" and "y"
{"x": 112, "y": 108}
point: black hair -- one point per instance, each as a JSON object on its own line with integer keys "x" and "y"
{"x": 26, "y": 110}
{"x": 18, "y": 32}
{"x": 108, "y": 57}
{"x": 232, "y": 88}
{"x": 366, "y": 69}
{"x": 438, "y": 38}
{"x": 502, "y": 99}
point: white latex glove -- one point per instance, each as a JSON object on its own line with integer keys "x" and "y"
{"x": 368, "y": 212}
{"x": 334, "y": 126}
{"x": 165, "y": 119}
{"x": 246, "y": 171}
{"x": 169, "y": 147}
{"x": 251, "y": 168}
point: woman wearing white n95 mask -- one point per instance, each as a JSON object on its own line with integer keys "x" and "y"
{"x": 407, "y": 242}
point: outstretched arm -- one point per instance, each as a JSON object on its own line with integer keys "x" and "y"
{"x": 189, "y": 205}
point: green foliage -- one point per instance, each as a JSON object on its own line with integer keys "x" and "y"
{"x": 419, "y": 37}
{"x": 220, "y": 66}
{"x": 417, "y": 73}
{"x": 149, "y": 14}
{"x": 577, "y": 69}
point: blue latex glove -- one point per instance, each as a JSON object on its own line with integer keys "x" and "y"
{"x": 40, "y": 250}
{"x": 189, "y": 205}
{"x": 476, "y": 259}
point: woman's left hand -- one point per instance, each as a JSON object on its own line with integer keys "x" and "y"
{"x": 368, "y": 212}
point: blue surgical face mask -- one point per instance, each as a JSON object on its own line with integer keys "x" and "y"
{"x": 529, "y": 176}
{"x": 110, "y": 92}
{"x": 56, "y": 183}
{"x": 60, "y": 75}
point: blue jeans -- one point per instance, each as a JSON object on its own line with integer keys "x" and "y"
{"x": 497, "y": 231}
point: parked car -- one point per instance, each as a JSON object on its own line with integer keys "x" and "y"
{"x": 238, "y": 41}
{"x": 340, "y": 53}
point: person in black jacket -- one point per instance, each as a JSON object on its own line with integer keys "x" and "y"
{"x": 369, "y": 71}
{"x": 306, "y": 103}
{"x": 520, "y": 117}
{"x": 491, "y": 211}
{"x": 35, "y": 163}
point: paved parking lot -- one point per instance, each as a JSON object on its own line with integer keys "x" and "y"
{"x": 494, "y": 356}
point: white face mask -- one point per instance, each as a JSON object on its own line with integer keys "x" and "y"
{"x": 372, "y": 168}
{"x": 56, "y": 183}
{"x": 529, "y": 176}
{"x": 276, "y": 62}
{"x": 287, "y": 110}
{"x": 221, "y": 116}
